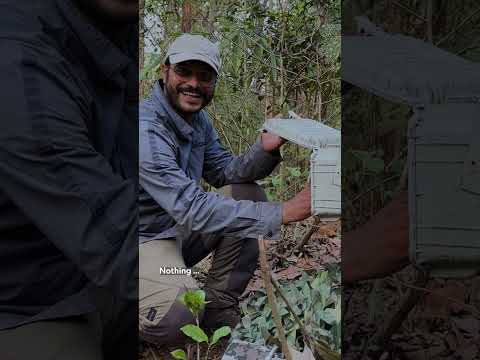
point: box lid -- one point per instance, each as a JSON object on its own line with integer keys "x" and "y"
{"x": 407, "y": 70}
{"x": 305, "y": 132}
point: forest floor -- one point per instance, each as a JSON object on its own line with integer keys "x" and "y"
{"x": 287, "y": 263}
{"x": 443, "y": 324}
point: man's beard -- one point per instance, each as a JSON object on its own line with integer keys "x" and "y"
{"x": 173, "y": 95}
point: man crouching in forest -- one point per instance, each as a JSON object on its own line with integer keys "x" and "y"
{"x": 180, "y": 223}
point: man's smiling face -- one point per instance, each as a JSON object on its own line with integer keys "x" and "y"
{"x": 189, "y": 86}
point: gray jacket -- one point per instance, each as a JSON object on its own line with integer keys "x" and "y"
{"x": 175, "y": 156}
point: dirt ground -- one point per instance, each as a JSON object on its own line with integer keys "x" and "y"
{"x": 286, "y": 262}
{"x": 444, "y": 324}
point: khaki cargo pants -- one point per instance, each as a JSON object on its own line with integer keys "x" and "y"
{"x": 161, "y": 315}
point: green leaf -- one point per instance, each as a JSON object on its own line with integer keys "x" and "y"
{"x": 261, "y": 300}
{"x": 283, "y": 311}
{"x": 195, "y": 333}
{"x": 193, "y": 300}
{"x": 219, "y": 333}
{"x": 306, "y": 291}
{"x": 324, "y": 292}
{"x": 329, "y": 316}
{"x": 295, "y": 172}
{"x": 277, "y": 180}
{"x": 179, "y": 354}
{"x": 292, "y": 337}
{"x": 246, "y": 321}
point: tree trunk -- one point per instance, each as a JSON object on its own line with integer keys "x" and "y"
{"x": 186, "y": 17}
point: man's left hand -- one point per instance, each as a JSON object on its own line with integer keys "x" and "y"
{"x": 271, "y": 142}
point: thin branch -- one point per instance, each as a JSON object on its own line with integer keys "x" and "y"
{"x": 467, "y": 19}
{"x": 309, "y": 234}
{"x": 271, "y": 297}
{"x": 356, "y": 198}
{"x": 407, "y": 9}
{"x": 471, "y": 308}
{"x": 382, "y": 337}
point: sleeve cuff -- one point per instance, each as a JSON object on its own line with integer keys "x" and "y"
{"x": 271, "y": 216}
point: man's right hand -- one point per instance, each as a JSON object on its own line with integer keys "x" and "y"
{"x": 380, "y": 247}
{"x": 299, "y": 207}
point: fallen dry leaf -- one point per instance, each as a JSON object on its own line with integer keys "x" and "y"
{"x": 290, "y": 273}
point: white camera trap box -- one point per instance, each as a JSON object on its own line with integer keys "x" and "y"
{"x": 325, "y": 160}
{"x": 443, "y": 90}
{"x": 444, "y": 188}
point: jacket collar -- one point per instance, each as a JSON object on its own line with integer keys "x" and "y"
{"x": 181, "y": 127}
{"x": 107, "y": 58}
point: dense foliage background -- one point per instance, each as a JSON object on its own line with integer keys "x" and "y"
{"x": 277, "y": 56}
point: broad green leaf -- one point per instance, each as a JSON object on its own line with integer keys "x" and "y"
{"x": 179, "y": 354}
{"x": 219, "y": 333}
{"x": 316, "y": 283}
{"x": 283, "y": 311}
{"x": 329, "y": 316}
{"x": 246, "y": 321}
{"x": 195, "y": 333}
{"x": 261, "y": 300}
{"x": 292, "y": 337}
{"x": 267, "y": 310}
{"x": 263, "y": 327}
{"x": 324, "y": 292}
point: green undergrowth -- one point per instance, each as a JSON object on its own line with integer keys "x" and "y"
{"x": 316, "y": 300}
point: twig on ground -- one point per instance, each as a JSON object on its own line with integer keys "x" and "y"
{"x": 308, "y": 235}
{"x": 306, "y": 337}
{"x": 463, "y": 304}
{"x": 412, "y": 297}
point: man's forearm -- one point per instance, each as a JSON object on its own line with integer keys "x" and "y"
{"x": 379, "y": 247}
{"x": 365, "y": 257}
{"x": 255, "y": 164}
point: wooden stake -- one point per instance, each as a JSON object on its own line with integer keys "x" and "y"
{"x": 271, "y": 297}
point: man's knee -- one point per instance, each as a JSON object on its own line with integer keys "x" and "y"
{"x": 161, "y": 325}
{"x": 249, "y": 191}
{"x": 161, "y": 314}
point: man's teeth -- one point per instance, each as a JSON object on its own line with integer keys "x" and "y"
{"x": 190, "y": 94}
